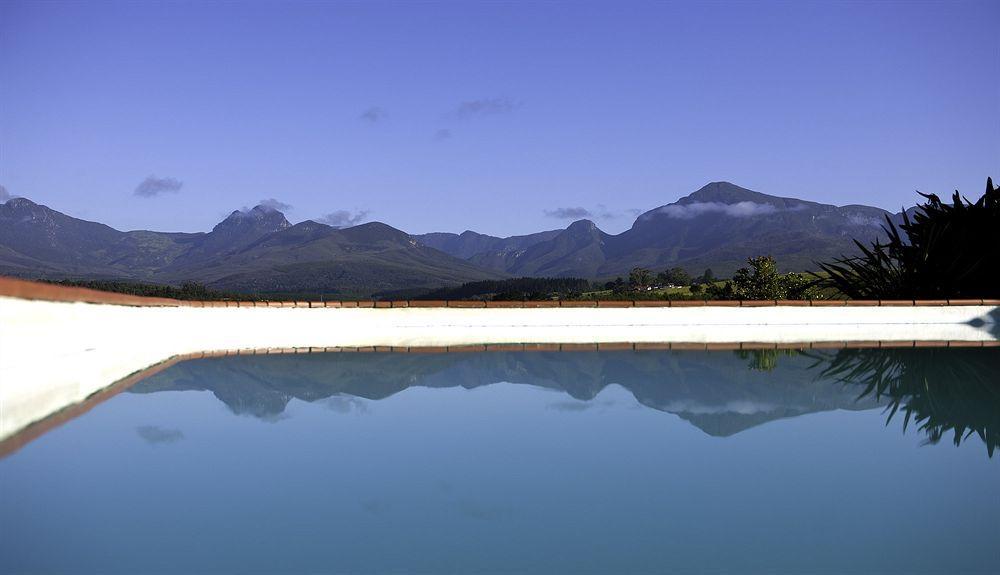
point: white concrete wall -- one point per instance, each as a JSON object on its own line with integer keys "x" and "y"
{"x": 55, "y": 354}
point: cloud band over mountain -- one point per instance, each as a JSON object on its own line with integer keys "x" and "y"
{"x": 344, "y": 218}
{"x": 735, "y": 210}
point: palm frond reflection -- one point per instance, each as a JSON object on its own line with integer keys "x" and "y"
{"x": 941, "y": 391}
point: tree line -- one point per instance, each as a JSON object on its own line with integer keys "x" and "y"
{"x": 514, "y": 289}
{"x": 185, "y": 291}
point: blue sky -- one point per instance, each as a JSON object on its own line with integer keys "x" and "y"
{"x": 499, "y": 117}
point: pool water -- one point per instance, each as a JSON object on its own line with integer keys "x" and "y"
{"x": 593, "y": 462}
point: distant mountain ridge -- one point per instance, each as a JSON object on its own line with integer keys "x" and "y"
{"x": 718, "y": 226}
{"x": 469, "y": 243}
{"x": 258, "y": 250}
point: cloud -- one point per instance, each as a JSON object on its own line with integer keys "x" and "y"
{"x": 571, "y": 406}
{"x": 155, "y": 435}
{"x": 568, "y": 213}
{"x": 442, "y": 135}
{"x": 485, "y": 107}
{"x": 273, "y": 204}
{"x": 4, "y": 195}
{"x": 742, "y": 407}
{"x": 345, "y": 404}
{"x": 578, "y": 406}
{"x": 864, "y": 221}
{"x": 373, "y": 115}
{"x": 737, "y": 210}
{"x": 601, "y": 212}
{"x": 153, "y": 186}
{"x": 606, "y": 213}
{"x": 344, "y": 218}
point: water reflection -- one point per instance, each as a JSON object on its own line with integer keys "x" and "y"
{"x": 941, "y": 390}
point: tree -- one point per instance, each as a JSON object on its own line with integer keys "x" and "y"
{"x": 762, "y": 281}
{"x": 681, "y": 277}
{"x": 639, "y": 279}
{"x": 707, "y": 277}
{"x": 725, "y": 291}
{"x": 674, "y": 276}
{"x": 949, "y": 251}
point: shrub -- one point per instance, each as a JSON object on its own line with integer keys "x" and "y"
{"x": 944, "y": 251}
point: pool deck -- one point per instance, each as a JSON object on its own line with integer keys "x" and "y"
{"x": 60, "y": 346}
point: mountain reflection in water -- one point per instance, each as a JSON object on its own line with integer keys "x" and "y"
{"x": 940, "y": 390}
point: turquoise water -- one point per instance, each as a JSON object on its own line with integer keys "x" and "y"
{"x": 596, "y": 462}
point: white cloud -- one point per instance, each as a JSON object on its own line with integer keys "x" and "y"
{"x": 742, "y": 407}
{"x": 864, "y": 221}
{"x": 344, "y": 218}
{"x": 273, "y": 204}
{"x": 737, "y": 210}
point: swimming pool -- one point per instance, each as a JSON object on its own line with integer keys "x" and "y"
{"x": 747, "y": 461}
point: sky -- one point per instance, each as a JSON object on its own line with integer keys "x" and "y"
{"x": 501, "y": 117}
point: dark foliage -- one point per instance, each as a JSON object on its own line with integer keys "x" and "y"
{"x": 512, "y": 289}
{"x": 187, "y": 291}
{"x": 640, "y": 279}
{"x": 618, "y": 287}
{"x": 674, "y": 276}
{"x": 946, "y": 251}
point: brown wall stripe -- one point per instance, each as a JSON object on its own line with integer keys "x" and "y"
{"x": 31, "y": 290}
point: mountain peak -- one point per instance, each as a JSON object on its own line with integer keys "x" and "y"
{"x": 582, "y": 226}
{"x": 584, "y": 230}
{"x": 261, "y": 218}
{"x": 19, "y": 202}
{"x": 724, "y": 192}
{"x": 25, "y": 210}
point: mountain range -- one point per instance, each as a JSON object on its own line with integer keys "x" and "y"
{"x": 719, "y": 226}
{"x": 256, "y": 250}
{"x": 259, "y": 250}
